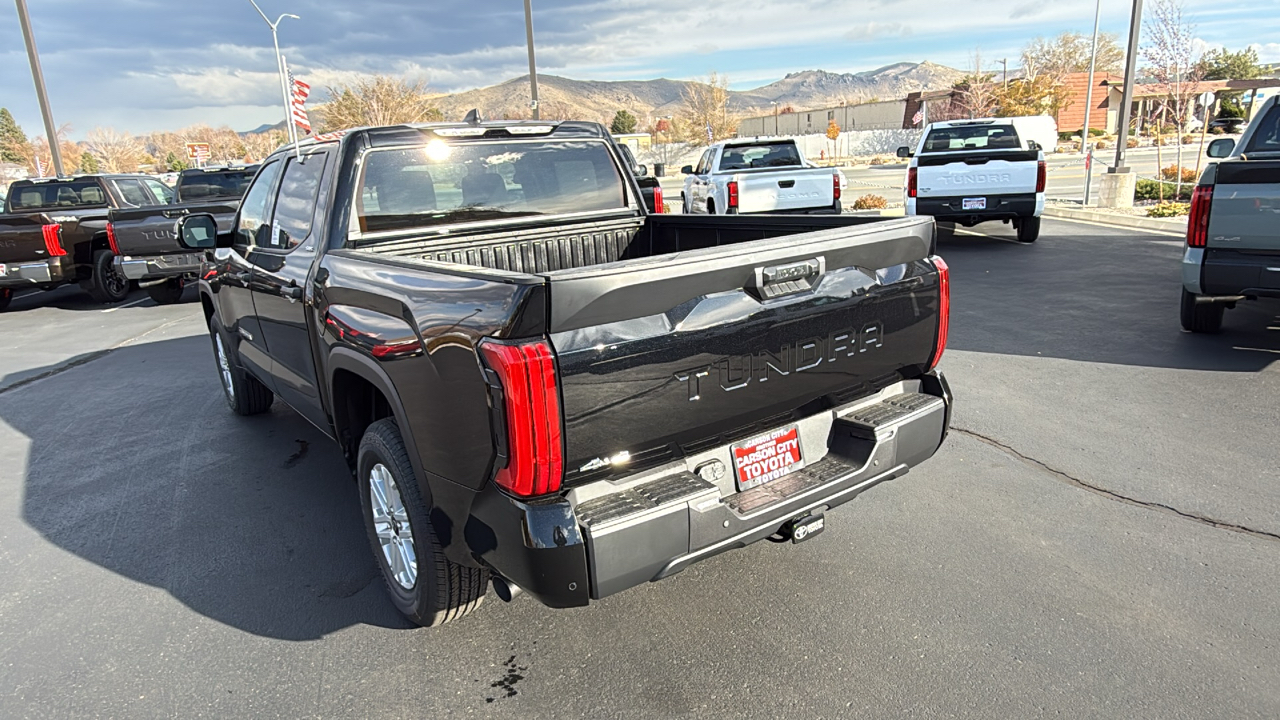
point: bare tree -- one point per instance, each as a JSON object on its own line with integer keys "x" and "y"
{"x": 259, "y": 145}
{"x": 1070, "y": 53}
{"x": 706, "y": 105}
{"x": 1174, "y": 63}
{"x": 375, "y": 101}
{"x": 115, "y": 151}
{"x": 977, "y": 91}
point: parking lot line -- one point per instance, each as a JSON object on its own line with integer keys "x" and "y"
{"x": 1120, "y": 227}
{"x": 135, "y": 302}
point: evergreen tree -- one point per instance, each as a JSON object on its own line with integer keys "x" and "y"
{"x": 624, "y": 123}
{"x": 12, "y": 139}
{"x": 88, "y": 163}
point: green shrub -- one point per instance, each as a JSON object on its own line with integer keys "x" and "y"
{"x": 1097, "y": 132}
{"x": 1150, "y": 190}
{"x": 1169, "y": 209}
{"x": 1065, "y": 136}
{"x": 1217, "y": 131}
{"x": 870, "y": 202}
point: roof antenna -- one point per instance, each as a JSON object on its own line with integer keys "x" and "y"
{"x": 473, "y": 117}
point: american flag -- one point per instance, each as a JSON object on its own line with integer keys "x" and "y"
{"x": 711, "y": 136}
{"x": 39, "y": 167}
{"x": 299, "y": 92}
{"x": 915, "y": 119}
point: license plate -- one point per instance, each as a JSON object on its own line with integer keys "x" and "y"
{"x": 974, "y": 203}
{"x": 767, "y": 457}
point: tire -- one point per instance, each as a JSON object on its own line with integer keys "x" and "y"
{"x": 711, "y": 207}
{"x": 6, "y": 297}
{"x": 684, "y": 204}
{"x": 245, "y": 394}
{"x": 1200, "y": 317}
{"x": 107, "y": 285}
{"x": 426, "y": 588}
{"x": 1028, "y": 229}
{"x": 169, "y": 292}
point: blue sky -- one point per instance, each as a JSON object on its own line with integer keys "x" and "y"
{"x": 145, "y": 65}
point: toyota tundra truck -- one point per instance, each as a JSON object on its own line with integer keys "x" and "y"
{"x": 540, "y": 386}
{"x": 143, "y": 239}
{"x": 740, "y": 177}
{"x": 1233, "y": 232}
{"x": 966, "y": 172}
{"x": 55, "y": 231}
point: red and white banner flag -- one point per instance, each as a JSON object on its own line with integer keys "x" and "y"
{"x": 298, "y": 94}
{"x": 39, "y": 167}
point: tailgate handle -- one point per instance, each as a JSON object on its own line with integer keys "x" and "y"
{"x": 774, "y": 281}
{"x": 981, "y": 160}
{"x": 786, "y": 183}
{"x": 176, "y": 213}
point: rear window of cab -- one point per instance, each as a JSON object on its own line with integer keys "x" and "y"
{"x": 972, "y": 137}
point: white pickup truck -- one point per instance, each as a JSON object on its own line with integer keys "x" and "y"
{"x": 759, "y": 176}
{"x": 965, "y": 172}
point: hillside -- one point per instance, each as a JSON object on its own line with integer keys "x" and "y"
{"x": 598, "y": 100}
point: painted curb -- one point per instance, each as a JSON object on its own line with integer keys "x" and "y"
{"x": 1177, "y": 226}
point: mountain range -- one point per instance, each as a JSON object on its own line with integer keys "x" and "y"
{"x": 562, "y": 97}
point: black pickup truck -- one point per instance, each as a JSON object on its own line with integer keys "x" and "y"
{"x": 55, "y": 231}
{"x": 538, "y": 383}
{"x": 146, "y": 246}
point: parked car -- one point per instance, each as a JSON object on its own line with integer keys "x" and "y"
{"x": 55, "y": 231}
{"x": 1230, "y": 126}
{"x": 1233, "y": 239}
{"x": 650, "y": 188}
{"x": 966, "y": 172}
{"x": 739, "y": 177}
{"x": 537, "y": 381}
{"x": 144, "y": 239}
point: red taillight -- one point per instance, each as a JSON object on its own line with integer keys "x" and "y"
{"x": 944, "y": 309}
{"x": 835, "y": 186}
{"x": 733, "y": 194}
{"x": 1042, "y": 176}
{"x": 52, "y": 242}
{"x": 1198, "y": 223}
{"x": 911, "y": 182}
{"x": 531, "y": 405}
{"x": 657, "y": 200}
{"x": 111, "y": 239}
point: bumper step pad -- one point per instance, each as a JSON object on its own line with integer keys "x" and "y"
{"x": 641, "y": 498}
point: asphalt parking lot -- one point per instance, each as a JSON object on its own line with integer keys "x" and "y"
{"x": 1098, "y": 537}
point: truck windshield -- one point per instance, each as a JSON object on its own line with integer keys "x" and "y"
{"x": 764, "y": 155}
{"x": 442, "y": 184}
{"x": 972, "y": 137}
{"x": 195, "y": 186}
{"x": 58, "y": 194}
{"x": 1266, "y": 133}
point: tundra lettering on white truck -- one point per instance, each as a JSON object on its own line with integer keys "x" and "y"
{"x": 967, "y": 172}
{"x": 739, "y": 177}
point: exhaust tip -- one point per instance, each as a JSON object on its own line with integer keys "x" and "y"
{"x": 505, "y": 589}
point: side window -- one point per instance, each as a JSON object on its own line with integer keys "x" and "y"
{"x": 704, "y": 164}
{"x": 296, "y": 203}
{"x": 160, "y": 190}
{"x": 252, "y": 224}
{"x": 132, "y": 192}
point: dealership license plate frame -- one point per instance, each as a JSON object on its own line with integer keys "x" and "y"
{"x": 783, "y": 439}
{"x": 979, "y": 203}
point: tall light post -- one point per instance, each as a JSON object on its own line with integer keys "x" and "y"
{"x": 284, "y": 91}
{"x": 774, "y": 103}
{"x": 533, "y": 67}
{"x": 37, "y": 76}
{"x": 1093, "y": 64}
{"x": 1130, "y": 69}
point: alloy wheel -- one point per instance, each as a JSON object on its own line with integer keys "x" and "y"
{"x": 391, "y": 525}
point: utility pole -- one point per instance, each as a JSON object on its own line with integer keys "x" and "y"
{"x": 1130, "y": 69}
{"x": 51, "y": 132}
{"x": 1004, "y": 76}
{"x": 284, "y": 92}
{"x": 533, "y": 67}
{"x": 774, "y": 103}
{"x": 1088, "y": 96}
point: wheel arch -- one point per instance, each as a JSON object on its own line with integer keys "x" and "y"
{"x": 362, "y": 393}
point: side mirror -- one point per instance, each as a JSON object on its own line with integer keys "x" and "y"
{"x": 687, "y": 169}
{"x": 198, "y": 232}
{"x": 1221, "y": 147}
{"x": 641, "y": 170}
{"x": 904, "y": 152}
{"x": 1033, "y": 145}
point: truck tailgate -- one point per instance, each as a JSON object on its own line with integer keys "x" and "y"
{"x": 665, "y": 355}
{"x": 773, "y": 191}
{"x": 1246, "y": 206}
{"x": 150, "y": 230}
{"x": 22, "y": 237}
{"x": 977, "y": 173}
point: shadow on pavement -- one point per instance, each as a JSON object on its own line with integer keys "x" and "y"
{"x": 1094, "y": 295}
{"x": 253, "y": 522}
{"x": 70, "y": 297}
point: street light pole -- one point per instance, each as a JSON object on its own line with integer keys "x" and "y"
{"x": 774, "y": 103}
{"x": 1130, "y": 69}
{"x": 284, "y": 91}
{"x": 533, "y": 67}
{"x": 37, "y": 76}
{"x": 1088, "y": 97}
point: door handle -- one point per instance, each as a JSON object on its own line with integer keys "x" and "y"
{"x": 176, "y": 213}
{"x": 292, "y": 292}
